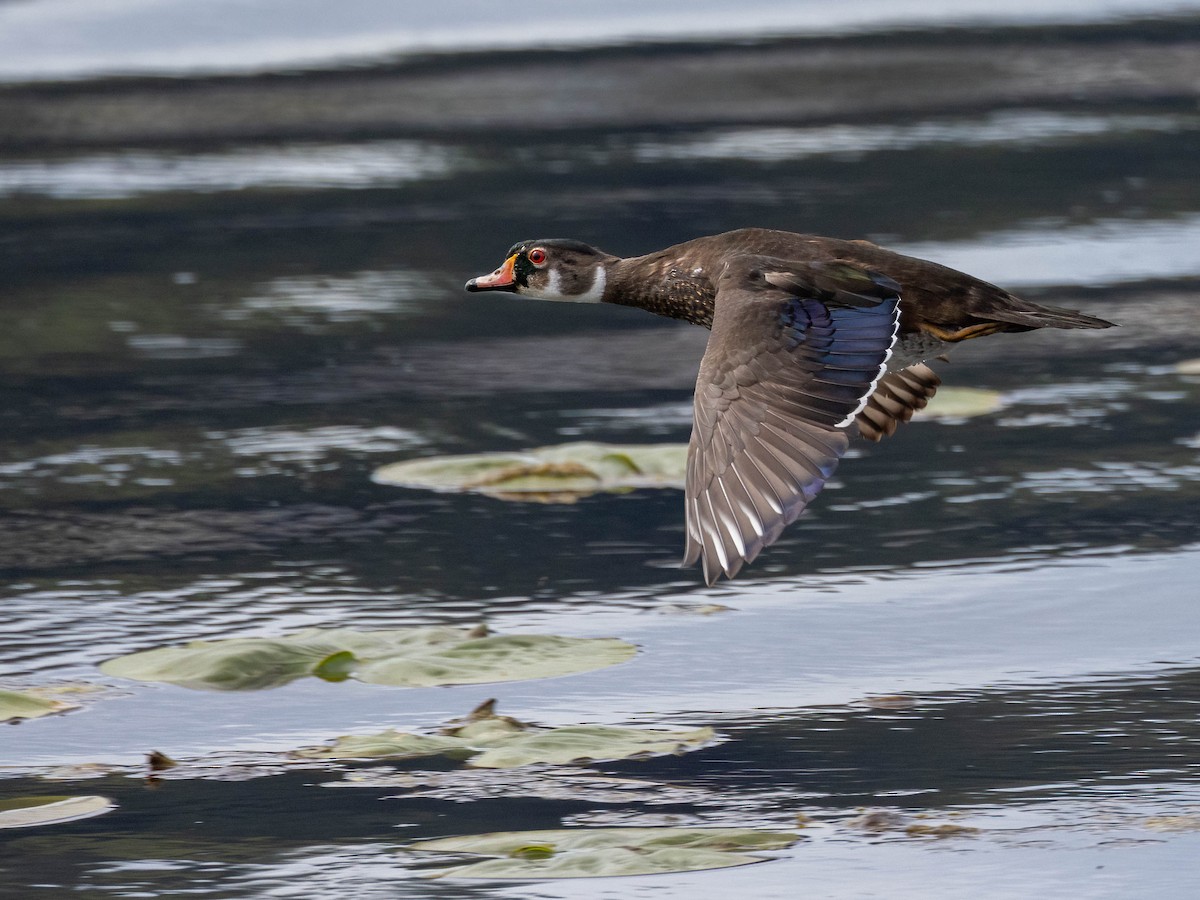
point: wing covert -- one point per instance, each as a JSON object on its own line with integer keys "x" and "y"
{"x": 795, "y": 353}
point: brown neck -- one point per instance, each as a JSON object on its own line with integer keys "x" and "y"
{"x": 663, "y": 286}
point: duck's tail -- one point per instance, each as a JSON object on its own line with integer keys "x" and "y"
{"x": 1027, "y": 315}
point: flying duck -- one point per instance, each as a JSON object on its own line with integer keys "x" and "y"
{"x": 810, "y": 336}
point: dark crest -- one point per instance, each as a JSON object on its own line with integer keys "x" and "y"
{"x": 556, "y": 244}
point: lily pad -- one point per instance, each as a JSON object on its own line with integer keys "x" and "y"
{"x": 961, "y": 403}
{"x": 543, "y": 782}
{"x": 239, "y": 664}
{"x": 499, "y": 742}
{"x": 577, "y": 743}
{"x": 1173, "y": 823}
{"x": 389, "y": 744}
{"x": 26, "y": 812}
{"x": 558, "y": 473}
{"x": 945, "y": 829}
{"x": 409, "y": 657}
{"x": 881, "y": 820}
{"x": 596, "y": 852}
{"x": 28, "y": 705}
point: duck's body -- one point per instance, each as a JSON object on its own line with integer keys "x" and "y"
{"x": 809, "y": 336}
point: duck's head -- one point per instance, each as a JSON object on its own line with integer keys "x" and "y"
{"x": 550, "y": 269}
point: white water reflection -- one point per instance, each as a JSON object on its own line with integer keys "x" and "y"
{"x": 132, "y": 173}
{"x": 181, "y": 346}
{"x": 311, "y": 446}
{"x": 93, "y": 465}
{"x": 1106, "y": 477}
{"x": 1106, "y": 252}
{"x": 1028, "y": 127}
{"x": 245, "y": 452}
{"x": 374, "y": 164}
{"x": 309, "y": 302}
{"x": 55, "y": 39}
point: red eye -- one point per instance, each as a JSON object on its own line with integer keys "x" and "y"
{"x": 537, "y": 256}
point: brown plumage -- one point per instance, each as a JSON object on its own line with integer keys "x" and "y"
{"x": 809, "y": 335}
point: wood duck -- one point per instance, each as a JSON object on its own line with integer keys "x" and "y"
{"x": 810, "y": 335}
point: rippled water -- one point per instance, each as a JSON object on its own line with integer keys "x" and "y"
{"x": 72, "y": 38}
{"x": 987, "y": 622}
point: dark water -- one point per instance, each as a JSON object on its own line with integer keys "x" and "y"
{"x": 209, "y": 343}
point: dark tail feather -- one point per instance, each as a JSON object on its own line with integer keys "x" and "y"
{"x": 1031, "y": 315}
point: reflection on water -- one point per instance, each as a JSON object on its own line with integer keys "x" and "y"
{"x": 1029, "y": 128}
{"x": 1023, "y": 773}
{"x": 985, "y": 626}
{"x": 392, "y": 163}
{"x": 69, "y": 38}
{"x": 133, "y": 173}
{"x": 1103, "y": 253}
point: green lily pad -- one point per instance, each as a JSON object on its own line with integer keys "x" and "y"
{"x": 389, "y": 744}
{"x": 559, "y": 473}
{"x": 961, "y": 403}
{"x": 239, "y": 664}
{"x": 597, "y": 852}
{"x": 25, "y": 812}
{"x": 408, "y": 657}
{"x": 543, "y": 782}
{"x": 1173, "y": 823}
{"x": 499, "y": 742}
{"x": 577, "y": 743}
{"x": 27, "y": 705}
{"x": 500, "y": 658}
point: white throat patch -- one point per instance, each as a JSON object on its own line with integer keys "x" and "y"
{"x": 593, "y": 294}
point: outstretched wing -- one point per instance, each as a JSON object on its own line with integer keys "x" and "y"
{"x": 796, "y": 350}
{"x": 898, "y": 395}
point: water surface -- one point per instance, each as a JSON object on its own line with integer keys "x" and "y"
{"x": 212, "y": 338}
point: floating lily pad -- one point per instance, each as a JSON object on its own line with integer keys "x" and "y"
{"x": 1173, "y": 823}
{"x": 543, "y": 782}
{"x": 945, "y": 829}
{"x": 499, "y": 742}
{"x": 410, "y": 657}
{"x": 881, "y": 820}
{"x": 28, "y": 705}
{"x": 239, "y": 664}
{"x": 81, "y": 771}
{"x": 25, "y": 812}
{"x": 691, "y": 609}
{"x": 389, "y": 745}
{"x": 559, "y": 473}
{"x": 595, "y": 852}
{"x": 576, "y": 743}
{"x": 961, "y": 403}
{"x": 889, "y": 701}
